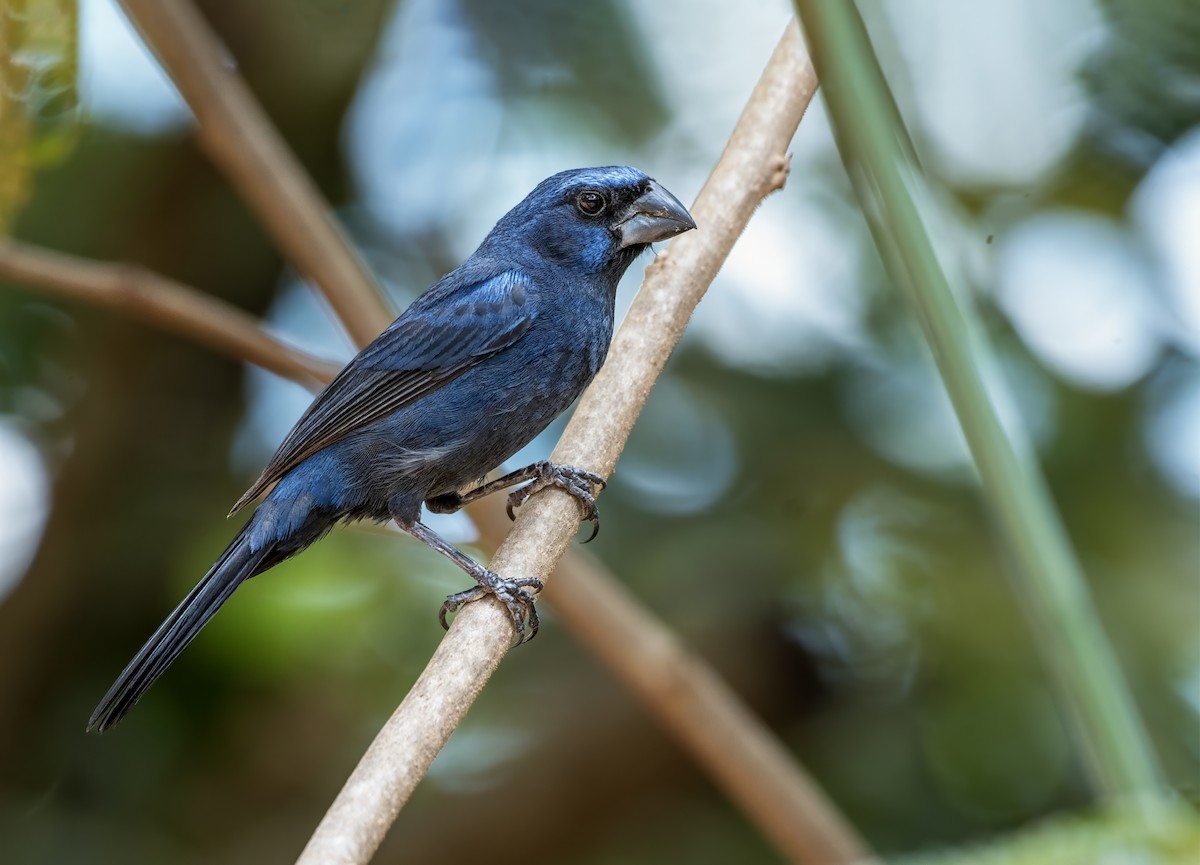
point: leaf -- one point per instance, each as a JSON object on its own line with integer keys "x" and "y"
{"x": 39, "y": 103}
{"x": 1145, "y": 80}
{"x": 1170, "y": 835}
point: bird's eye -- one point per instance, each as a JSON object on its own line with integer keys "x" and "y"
{"x": 590, "y": 203}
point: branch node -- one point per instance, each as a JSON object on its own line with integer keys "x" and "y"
{"x": 780, "y": 166}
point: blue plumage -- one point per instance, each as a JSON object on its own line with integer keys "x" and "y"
{"x": 475, "y": 368}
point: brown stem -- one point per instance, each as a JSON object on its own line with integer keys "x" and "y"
{"x": 753, "y": 164}
{"x": 163, "y": 302}
{"x": 240, "y": 139}
{"x": 703, "y": 713}
{"x": 681, "y": 690}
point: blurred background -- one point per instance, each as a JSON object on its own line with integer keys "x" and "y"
{"x": 796, "y": 501}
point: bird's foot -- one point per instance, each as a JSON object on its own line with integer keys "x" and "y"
{"x": 575, "y": 481}
{"x": 513, "y": 593}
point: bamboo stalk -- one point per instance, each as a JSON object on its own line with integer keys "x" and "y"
{"x": 887, "y": 178}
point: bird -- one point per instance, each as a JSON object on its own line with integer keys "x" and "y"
{"x": 476, "y": 366}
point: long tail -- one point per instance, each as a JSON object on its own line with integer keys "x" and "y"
{"x": 236, "y": 565}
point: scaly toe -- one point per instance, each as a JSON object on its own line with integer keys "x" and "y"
{"x": 455, "y": 602}
{"x": 520, "y": 608}
{"x": 592, "y": 478}
{"x": 514, "y": 594}
{"x": 576, "y": 482}
{"x": 518, "y": 497}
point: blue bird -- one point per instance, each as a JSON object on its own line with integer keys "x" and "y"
{"x": 469, "y": 374}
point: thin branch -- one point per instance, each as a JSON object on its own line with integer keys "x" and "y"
{"x": 753, "y": 165}
{"x": 685, "y": 694}
{"x": 892, "y": 191}
{"x": 698, "y": 708}
{"x": 160, "y": 301}
{"x": 238, "y": 136}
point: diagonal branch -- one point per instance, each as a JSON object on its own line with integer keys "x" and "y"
{"x": 686, "y": 695}
{"x": 157, "y": 300}
{"x": 740, "y": 753}
{"x": 239, "y": 137}
{"x": 753, "y": 165}
{"x": 698, "y": 708}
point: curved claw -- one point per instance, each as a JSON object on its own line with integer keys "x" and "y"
{"x": 576, "y": 482}
{"x": 512, "y": 593}
{"x": 534, "y": 623}
{"x": 455, "y": 602}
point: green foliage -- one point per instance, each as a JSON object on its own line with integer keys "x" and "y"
{"x": 38, "y": 101}
{"x": 1113, "y": 838}
{"x": 586, "y": 56}
{"x": 857, "y": 603}
{"x": 1144, "y": 79}
{"x": 903, "y": 212}
{"x": 318, "y": 612}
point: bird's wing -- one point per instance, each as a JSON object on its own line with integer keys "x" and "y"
{"x": 438, "y": 338}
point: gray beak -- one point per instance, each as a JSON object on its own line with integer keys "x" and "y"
{"x": 656, "y": 215}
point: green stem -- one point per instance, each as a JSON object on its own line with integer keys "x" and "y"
{"x": 878, "y": 156}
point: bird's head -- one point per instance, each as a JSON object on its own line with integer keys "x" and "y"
{"x": 595, "y": 219}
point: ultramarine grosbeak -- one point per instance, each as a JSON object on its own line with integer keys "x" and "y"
{"x": 475, "y": 368}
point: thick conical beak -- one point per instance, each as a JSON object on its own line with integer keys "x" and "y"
{"x": 656, "y": 215}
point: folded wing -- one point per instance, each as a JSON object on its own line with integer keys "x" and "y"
{"x": 439, "y": 337}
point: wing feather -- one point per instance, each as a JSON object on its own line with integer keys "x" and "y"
{"x": 438, "y": 338}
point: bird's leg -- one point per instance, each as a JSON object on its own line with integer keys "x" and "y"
{"x": 513, "y": 593}
{"x": 575, "y": 481}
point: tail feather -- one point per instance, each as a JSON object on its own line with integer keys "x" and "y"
{"x": 236, "y": 565}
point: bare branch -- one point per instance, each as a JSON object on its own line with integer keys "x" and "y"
{"x": 753, "y": 164}
{"x": 703, "y": 714}
{"x": 754, "y": 769}
{"x": 683, "y": 691}
{"x": 163, "y": 302}
{"x": 238, "y": 136}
